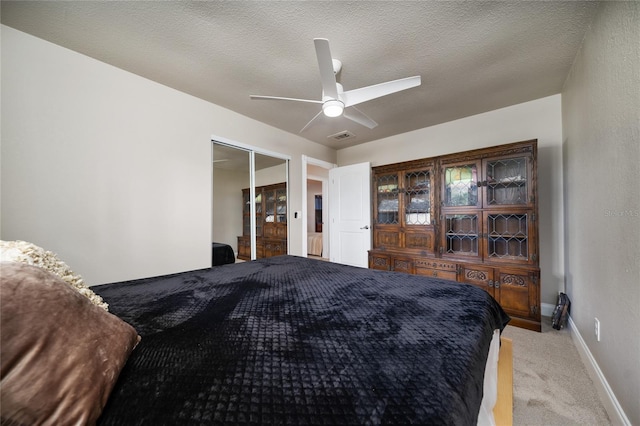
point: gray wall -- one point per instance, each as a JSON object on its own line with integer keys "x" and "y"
{"x": 601, "y": 125}
{"x": 113, "y": 171}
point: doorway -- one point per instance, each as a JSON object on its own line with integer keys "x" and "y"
{"x": 240, "y": 172}
{"x": 315, "y": 233}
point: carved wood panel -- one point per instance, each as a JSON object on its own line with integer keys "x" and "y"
{"x": 422, "y": 240}
{"x": 402, "y": 265}
{"x": 388, "y": 238}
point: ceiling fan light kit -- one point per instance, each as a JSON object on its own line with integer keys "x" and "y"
{"x": 335, "y": 101}
{"x": 333, "y": 108}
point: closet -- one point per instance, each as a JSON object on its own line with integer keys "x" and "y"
{"x": 242, "y": 173}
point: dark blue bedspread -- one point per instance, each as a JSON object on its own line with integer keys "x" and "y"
{"x": 289, "y": 340}
{"x": 221, "y": 254}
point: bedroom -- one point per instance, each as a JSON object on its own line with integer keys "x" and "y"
{"x": 107, "y": 183}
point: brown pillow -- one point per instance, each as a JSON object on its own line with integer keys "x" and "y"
{"x": 60, "y": 354}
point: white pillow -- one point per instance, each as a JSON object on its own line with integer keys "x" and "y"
{"x": 31, "y": 254}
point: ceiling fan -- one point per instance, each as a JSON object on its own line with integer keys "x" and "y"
{"x": 335, "y": 101}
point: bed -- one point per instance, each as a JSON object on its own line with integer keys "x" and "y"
{"x": 314, "y": 243}
{"x": 289, "y": 340}
{"x": 281, "y": 340}
{"x": 221, "y": 254}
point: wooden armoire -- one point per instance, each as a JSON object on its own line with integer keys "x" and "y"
{"x": 469, "y": 217}
{"x": 271, "y": 222}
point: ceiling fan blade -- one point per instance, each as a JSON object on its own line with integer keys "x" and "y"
{"x": 325, "y": 63}
{"x": 311, "y": 121}
{"x": 354, "y": 114}
{"x": 357, "y": 96}
{"x": 279, "y": 98}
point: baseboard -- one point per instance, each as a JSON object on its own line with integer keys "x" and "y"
{"x": 611, "y": 404}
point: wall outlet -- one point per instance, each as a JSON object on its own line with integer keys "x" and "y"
{"x": 597, "y": 329}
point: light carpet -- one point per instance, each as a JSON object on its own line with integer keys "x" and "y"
{"x": 551, "y": 385}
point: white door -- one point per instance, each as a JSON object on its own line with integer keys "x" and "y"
{"x": 350, "y": 214}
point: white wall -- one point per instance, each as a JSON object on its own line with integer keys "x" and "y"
{"x": 113, "y": 171}
{"x": 601, "y": 128}
{"x": 539, "y": 119}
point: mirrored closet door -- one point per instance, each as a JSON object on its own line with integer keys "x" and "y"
{"x": 250, "y": 201}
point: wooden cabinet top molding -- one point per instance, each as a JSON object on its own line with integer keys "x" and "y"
{"x": 529, "y": 146}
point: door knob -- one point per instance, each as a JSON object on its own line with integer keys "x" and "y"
{"x": 365, "y": 227}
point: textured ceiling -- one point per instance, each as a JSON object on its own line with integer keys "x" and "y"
{"x": 473, "y": 56}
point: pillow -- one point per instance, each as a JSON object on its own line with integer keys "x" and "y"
{"x": 60, "y": 354}
{"x": 31, "y": 254}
